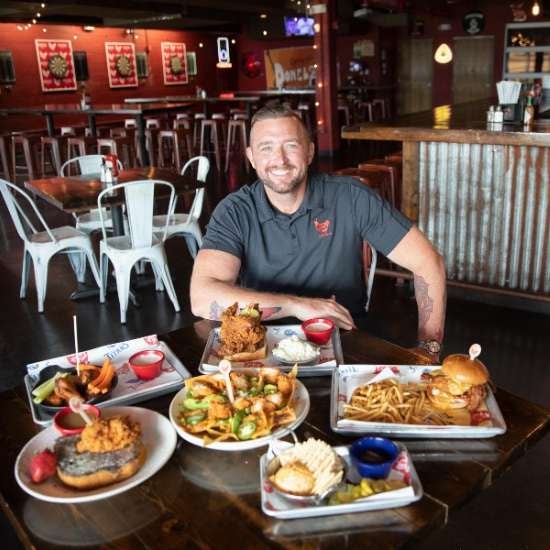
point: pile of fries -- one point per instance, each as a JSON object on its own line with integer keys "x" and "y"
{"x": 390, "y": 401}
{"x": 263, "y": 401}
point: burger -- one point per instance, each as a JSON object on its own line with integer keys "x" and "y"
{"x": 107, "y": 451}
{"x": 242, "y": 334}
{"x": 460, "y": 384}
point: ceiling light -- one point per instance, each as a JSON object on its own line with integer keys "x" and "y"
{"x": 263, "y": 15}
{"x": 88, "y": 28}
{"x": 42, "y": 5}
{"x": 233, "y": 41}
{"x": 535, "y": 10}
{"x": 201, "y": 44}
{"x": 38, "y": 14}
{"x": 34, "y": 21}
{"x": 264, "y": 33}
{"x": 443, "y": 54}
{"x": 44, "y": 29}
{"x": 75, "y": 36}
{"x": 19, "y": 28}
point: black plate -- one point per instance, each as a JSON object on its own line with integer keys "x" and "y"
{"x": 50, "y": 371}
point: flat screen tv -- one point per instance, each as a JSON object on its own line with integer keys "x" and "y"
{"x": 299, "y": 26}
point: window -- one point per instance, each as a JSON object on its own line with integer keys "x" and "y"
{"x": 7, "y": 69}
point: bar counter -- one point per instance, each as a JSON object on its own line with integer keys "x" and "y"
{"x": 481, "y": 193}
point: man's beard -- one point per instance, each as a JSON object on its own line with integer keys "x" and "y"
{"x": 283, "y": 187}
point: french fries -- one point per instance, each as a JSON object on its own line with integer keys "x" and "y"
{"x": 390, "y": 401}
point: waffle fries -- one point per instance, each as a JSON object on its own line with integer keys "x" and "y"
{"x": 390, "y": 401}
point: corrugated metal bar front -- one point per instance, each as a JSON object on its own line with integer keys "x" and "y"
{"x": 486, "y": 208}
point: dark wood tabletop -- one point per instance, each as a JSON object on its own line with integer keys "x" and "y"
{"x": 461, "y": 123}
{"x": 79, "y": 193}
{"x": 209, "y": 499}
{"x": 248, "y": 98}
{"x": 97, "y": 109}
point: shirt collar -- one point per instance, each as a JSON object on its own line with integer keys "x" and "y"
{"x": 313, "y": 199}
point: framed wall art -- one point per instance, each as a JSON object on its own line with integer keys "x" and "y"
{"x": 55, "y": 65}
{"x": 121, "y": 64}
{"x": 174, "y": 63}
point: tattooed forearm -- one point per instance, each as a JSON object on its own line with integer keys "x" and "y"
{"x": 425, "y": 303}
{"x": 215, "y": 311}
{"x": 268, "y": 312}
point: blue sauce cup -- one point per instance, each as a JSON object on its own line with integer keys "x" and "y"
{"x": 373, "y": 456}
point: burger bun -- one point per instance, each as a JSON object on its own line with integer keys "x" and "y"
{"x": 464, "y": 370}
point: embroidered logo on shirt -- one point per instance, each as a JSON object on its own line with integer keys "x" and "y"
{"x": 322, "y": 227}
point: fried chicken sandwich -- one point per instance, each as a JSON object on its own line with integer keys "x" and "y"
{"x": 242, "y": 334}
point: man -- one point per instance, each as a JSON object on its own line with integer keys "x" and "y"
{"x": 292, "y": 243}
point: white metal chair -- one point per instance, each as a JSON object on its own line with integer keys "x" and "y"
{"x": 88, "y": 164}
{"x": 187, "y": 224}
{"x": 40, "y": 246}
{"x": 141, "y": 244}
{"x": 370, "y": 257}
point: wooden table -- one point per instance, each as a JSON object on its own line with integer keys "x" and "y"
{"x": 209, "y": 499}
{"x": 136, "y": 111}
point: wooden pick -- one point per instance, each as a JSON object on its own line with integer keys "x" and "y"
{"x": 225, "y": 368}
{"x": 76, "y": 407}
{"x": 474, "y": 351}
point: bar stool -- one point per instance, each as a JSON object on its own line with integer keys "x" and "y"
{"x": 236, "y": 132}
{"x": 366, "y": 109}
{"x": 152, "y": 124}
{"x": 117, "y": 132}
{"x": 214, "y": 126}
{"x": 344, "y": 109}
{"x": 119, "y": 146}
{"x": 392, "y": 176}
{"x": 50, "y": 145}
{"x": 27, "y": 145}
{"x": 173, "y": 141}
{"x": 382, "y": 104}
{"x": 374, "y": 180}
{"x": 80, "y": 146}
{"x": 198, "y": 118}
{"x": 4, "y": 159}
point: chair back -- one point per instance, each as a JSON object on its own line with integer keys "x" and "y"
{"x": 23, "y": 225}
{"x": 203, "y": 167}
{"x": 140, "y": 200}
{"x": 87, "y": 164}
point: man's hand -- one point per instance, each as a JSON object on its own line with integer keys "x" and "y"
{"x": 307, "y": 308}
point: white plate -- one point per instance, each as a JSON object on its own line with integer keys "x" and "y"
{"x": 301, "y": 405}
{"x": 276, "y": 505}
{"x": 346, "y": 377}
{"x": 158, "y": 437}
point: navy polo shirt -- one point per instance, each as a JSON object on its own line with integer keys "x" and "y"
{"x": 317, "y": 250}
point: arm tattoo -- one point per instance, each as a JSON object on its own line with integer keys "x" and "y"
{"x": 215, "y": 311}
{"x": 425, "y": 303}
{"x": 268, "y": 312}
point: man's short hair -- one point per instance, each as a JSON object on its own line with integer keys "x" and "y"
{"x": 277, "y": 109}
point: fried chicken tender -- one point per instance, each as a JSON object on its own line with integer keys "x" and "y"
{"x": 240, "y": 333}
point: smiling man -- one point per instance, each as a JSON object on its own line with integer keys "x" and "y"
{"x": 293, "y": 242}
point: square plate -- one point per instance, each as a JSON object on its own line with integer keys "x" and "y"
{"x": 347, "y": 377}
{"x": 331, "y": 353}
{"x": 277, "y": 506}
{"x": 129, "y": 388}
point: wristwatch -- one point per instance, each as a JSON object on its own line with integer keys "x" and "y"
{"x": 433, "y": 347}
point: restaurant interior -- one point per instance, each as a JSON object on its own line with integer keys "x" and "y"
{"x": 441, "y": 107}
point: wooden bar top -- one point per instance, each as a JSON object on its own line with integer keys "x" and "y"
{"x": 95, "y": 109}
{"x": 210, "y": 499}
{"x": 463, "y": 123}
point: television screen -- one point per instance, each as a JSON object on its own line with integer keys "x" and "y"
{"x": 299, "y": 26}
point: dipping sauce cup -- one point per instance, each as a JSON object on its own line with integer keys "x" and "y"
{"x": 318, "y": 330}
{"x": 67, "y": 422}
{"x": 147, "y": 364}
{"x": 373, "y": 456}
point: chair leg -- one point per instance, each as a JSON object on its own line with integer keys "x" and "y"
{"x": 122, "y": 274}
{"x": 167, "y": 280}
{"x": 24, "y": 275}
{"x": 191, "y": 245}
{"x": 77, "y": 259}
{"x": 159, "y": 286}
{"x": 104, "y": 275}
{"x": 93, "y": 266}
{"x": 41, "y": 280}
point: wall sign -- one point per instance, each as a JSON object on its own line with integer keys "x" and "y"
{"x": 224, "y": 60}
{"x": 289, "y": 67}
{"x": 121, "y": 64}
{"x": 55, "y": 65}
{"x": 473, "y": 22}
{"x": 363, "y": 48}
{"x": 174, "y": 63}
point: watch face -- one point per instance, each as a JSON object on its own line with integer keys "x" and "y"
{"x": 433, "y": 346}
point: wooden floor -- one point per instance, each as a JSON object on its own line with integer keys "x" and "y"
{"x": 512, "y": 514}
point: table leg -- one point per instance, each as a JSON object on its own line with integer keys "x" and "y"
{"x": 140, "y": 120}
{"x": 118, "y": 220}
{"x": 49, "y": 125}
{"x": 92, "y": 125}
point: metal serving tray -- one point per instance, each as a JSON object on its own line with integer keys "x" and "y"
{"x": 331, "y": 353}
{"x": 346, "y": 376}
{"x": 277, "y": 506}
{"x": 129, "y": 388}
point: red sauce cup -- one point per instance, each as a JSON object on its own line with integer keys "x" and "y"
{"x": 318, "y": 330}
{"x": 147, "y": 364}
{"x": 67, "y": 422}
